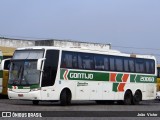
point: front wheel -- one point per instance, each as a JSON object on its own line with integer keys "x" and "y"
{"x": 65, "y": 97}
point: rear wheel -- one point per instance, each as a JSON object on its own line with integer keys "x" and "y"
{"x": 65, "y": 97}
{"x": 137, "y": 98}
{"x": 35, "y": 102}
{"x": 128, "y": 98}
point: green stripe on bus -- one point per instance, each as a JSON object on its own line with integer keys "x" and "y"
{"x": 25, "y": 87}
{"x": 119, "y": 77}
{"x": 94, "y": 76}
{"x": 132, "y": 78}
{"x": 70, "y": 74}
{"x": 115, "y": 86}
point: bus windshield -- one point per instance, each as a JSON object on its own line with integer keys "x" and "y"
{"x": 23, "y": 68}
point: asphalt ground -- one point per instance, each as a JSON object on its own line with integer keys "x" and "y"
{"x": 80, "y": 110}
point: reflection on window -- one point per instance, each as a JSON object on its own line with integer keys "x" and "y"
{"x": 106, "y": 63}
{"x": 90, "y": 61}
{"x": 139, "y": 65}
{"x": 126, "y": 65}
{"x": 99, "y": 62}
{"x": 119, "y": 64}
{"x": 131, "y": 65}
{"x": 112, "y": 65}
{"x": 69, "y": 60}
{"x": 87, "y": 61}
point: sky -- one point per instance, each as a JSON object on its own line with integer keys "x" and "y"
{"x": 131, "y": 26}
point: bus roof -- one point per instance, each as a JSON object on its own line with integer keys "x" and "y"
{"x": 88, "y": 50}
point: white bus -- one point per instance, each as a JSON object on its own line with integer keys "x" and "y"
{"x": 64, "y": 74}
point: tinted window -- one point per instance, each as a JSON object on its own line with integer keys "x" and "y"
{"x": 119, "y": 63}
{"x": 85, "y": 61}
{"x": 139, "y": 65}
{"x": 99, "y": 62}
{"x": 112, "y": 63}
{"x": 69, "y": 60}
{"x": 126, "y": 65}
{"x": 106, "y": 63}
{"x": 152, "y": 66}
{"x": 89, "y": 61}
{"x": 131, "y": 65}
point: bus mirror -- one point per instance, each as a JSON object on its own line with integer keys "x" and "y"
{"x": 3, "y": 64}
{"x": 39, "y": 63}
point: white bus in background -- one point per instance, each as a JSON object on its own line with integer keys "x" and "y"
{"x": 65, "y": 74}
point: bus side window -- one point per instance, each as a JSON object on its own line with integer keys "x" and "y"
{"x": 112, "y": 63}
{"x": 99, "y": 62}
{"x": 152, "y": 63}
{"x": 119, "y": 64}
{"x": 139, "y": 65}
{"x": 69, "y": 60}
{"x": 106, "y": 63}
{"x": 131, "y": 65}
{"x": 85, "y": 61}
{"x": 126, "y": 65}
{"x": 150, "y": 67}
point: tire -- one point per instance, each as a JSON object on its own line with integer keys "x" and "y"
{"x": 137, "y": 98}
{"x": 128, "y": 98}
{"x": 65, "y": 97}
{"x": 35, "y": 102}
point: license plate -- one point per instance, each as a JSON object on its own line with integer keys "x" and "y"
{"x": 20, "y": 95}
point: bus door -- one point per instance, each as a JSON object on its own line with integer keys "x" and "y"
{"x": 49, "y": 74}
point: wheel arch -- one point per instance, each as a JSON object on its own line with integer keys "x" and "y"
{"x": 68, "y": 91}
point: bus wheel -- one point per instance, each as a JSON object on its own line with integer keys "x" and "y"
{"x": 35, "y": 102}
{"x": 65, "y": 97}
{"x": 137, "y": 98}
{"x": 128, "y": 98}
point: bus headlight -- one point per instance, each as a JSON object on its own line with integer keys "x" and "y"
{"x": 9, "y": 89}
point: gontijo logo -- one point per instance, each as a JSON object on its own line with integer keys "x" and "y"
{"x": 73, "y": 75}
{"x": 81, "y": 75}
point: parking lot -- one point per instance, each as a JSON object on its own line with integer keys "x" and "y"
{"x": 81, "y": 108}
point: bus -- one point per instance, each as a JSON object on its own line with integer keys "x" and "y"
{"x": 65, "y": 74}
{"x": 5, "y": 53}
{"x": 158, "y": 82}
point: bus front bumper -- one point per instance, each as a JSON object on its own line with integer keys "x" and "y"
{"x": 33, "y": 95}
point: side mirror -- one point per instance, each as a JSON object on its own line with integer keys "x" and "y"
{"x": 3, "y": 63}
{"x": 39, "y": 63}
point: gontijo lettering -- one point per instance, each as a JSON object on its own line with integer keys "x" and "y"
{"x": 81, "y": 75}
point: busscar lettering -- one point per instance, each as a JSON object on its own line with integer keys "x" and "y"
{"x": 82, "y": 84}
{"x": 88, "y": 76}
